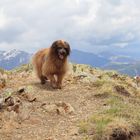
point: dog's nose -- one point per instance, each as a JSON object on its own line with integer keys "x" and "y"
{"x": 62, "y": 51}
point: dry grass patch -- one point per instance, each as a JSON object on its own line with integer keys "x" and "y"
{"x": 118, "y": 120}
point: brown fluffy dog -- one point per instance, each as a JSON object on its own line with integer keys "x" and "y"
{"x": 51, "y": 63}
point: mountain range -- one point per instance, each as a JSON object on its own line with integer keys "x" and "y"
{"x": 124, "y": 64}
{"x": 13, "y": 58}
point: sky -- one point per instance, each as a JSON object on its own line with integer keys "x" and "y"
{"x": 88, "y": 25}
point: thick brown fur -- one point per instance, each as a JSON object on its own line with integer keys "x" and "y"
{"x": 50, "y": 64}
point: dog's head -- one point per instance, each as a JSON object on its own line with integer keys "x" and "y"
{"x": 61, "y": 49}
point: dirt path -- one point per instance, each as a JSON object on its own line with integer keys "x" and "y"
{"x": 40, "y": 120}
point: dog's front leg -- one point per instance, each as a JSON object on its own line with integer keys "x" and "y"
{"x": 59, "y": 81}
{"x": 52, "y": 80}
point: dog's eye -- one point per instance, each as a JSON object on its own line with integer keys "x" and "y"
{"x": 59, "y": 48}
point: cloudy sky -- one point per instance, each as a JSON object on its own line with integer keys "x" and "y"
{"x": 88, "y": 25}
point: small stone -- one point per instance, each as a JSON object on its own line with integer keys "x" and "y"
{"x": 14, "y": 108}
{"x": 64, "y": 107}
{"x": 21, "y": 89}
{"x": 50, "y": 108}
{"x": 60, "y": 111}
{"x": 32, "y": 100}
{"x": 9, "y": 101}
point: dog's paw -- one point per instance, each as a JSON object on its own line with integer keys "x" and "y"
{"x": 43, "y": 82}
{"x": 57, "y": 86}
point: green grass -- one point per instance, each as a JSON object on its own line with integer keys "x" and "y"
{"x": 23, "y": 68}
{"x": 113, "y": 111}
{"x": 99, "y": 83}
{"x": 83, "y": 127}
{"x": 96, "y": 123}
{"x": 100, "y": 123}
{"x": 117, "y": 114}
{"x": 118, "y": 111}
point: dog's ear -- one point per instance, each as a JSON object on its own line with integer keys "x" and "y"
{"x": 67, "y": 48}
{"x": 54, "y": 45}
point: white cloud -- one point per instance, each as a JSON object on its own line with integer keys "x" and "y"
{"x": 87, "y": 24}
{"x": 121, "y": 45}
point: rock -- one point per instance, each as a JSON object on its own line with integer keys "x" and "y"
{"x": 25, "y": 92}
{"x": 83, "y": 73}
{"x": 9, "y": 101}
{"x": 85, "y": 77}
{"x": 64, "y": 108}
{"x": 60, "y": 111}
{"x": 32, "y": 99}
{"x": 28, "y": 97}
{"x": 17, "y": 100}
{"x": 25, "y": 89}
{"x": 89, "y": 78}
{"x": 21, "y": 89}
{"x": 121, "y": 90}
{"x": 49, "y": 108}
{"x": 121, "y": 134}
{"x": 61, "y": 108}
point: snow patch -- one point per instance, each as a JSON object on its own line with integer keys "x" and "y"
{"x": 10, "y": 54}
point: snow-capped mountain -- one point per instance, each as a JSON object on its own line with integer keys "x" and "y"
{"x": 13, "y": 58}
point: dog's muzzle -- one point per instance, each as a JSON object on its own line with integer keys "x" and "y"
{"x": 62, "y": 53}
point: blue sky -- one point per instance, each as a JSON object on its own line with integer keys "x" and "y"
{"x": 88, "y": 25}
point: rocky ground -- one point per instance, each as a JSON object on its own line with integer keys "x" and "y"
{"x": 93, "y": 105}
